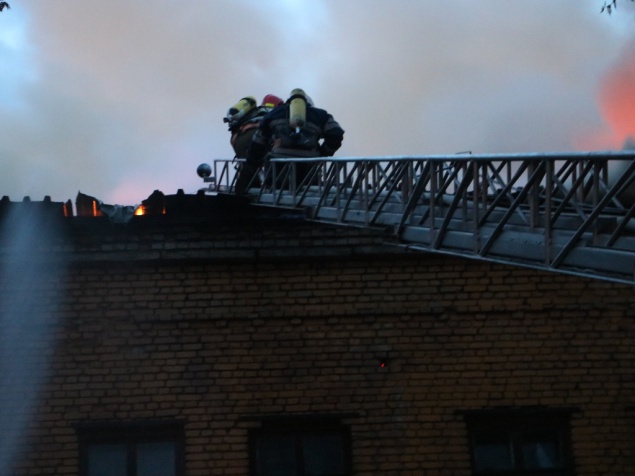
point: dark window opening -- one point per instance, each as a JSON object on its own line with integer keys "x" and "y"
{"x": 300, "y": 449}
{"x": 131, "y": 449}
{"x": 513, "y": 444}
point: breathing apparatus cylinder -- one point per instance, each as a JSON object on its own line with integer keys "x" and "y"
{"x": 297, "y": 110}
{"x": 240, "y": 109}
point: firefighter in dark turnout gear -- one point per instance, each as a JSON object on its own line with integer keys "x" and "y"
{"x": 295, "y": 129}
{"x": 243, "y": 119}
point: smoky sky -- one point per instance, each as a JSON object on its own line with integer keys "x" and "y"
{"x": 119, "y": 98}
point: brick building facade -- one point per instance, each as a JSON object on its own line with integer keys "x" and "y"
{"x": 227, "y": 346}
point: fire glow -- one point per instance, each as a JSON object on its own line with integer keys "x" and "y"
{"x": 617, "y": 100}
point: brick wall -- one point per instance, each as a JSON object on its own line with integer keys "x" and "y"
{"x": 222, "y": 326}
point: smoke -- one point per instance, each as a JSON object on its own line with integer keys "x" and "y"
{"x": 28, "y": 302}
{"x": 119, "y": 98}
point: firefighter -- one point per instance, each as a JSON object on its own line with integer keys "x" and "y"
{"x": 295, "y": 129}
{"x": 243, "y": 119}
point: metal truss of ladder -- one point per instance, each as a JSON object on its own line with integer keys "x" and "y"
{"x": 569, "y": 213}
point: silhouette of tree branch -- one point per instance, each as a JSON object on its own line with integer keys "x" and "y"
{"x": 609, "y": 6}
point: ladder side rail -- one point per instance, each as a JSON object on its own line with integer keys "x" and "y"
{"x": 463, "y": 185}
{"x": 281, "y": 179}
{"x": 417, "y": 192}
{"x": 512, "y": 179}
{"x": 377, "y": 184}
{"x": 561, "y": 176}
{"x": 266, "y": 175}
{"x": 423, "y": 168}
{"x": 367, "y": 170}
{"x": 506, "y": 193}
{"x": 560, "y": 193}
{"x": 304, "y": 187}
{"x": 407, "y": 183}
{"x": 340, "y": 182}
{"x": 445, "y": 175}
{"x": 532, "y": 198}
{"x": 622, "y": 189}
{"x": 580, "y": 207}
{"x": 329, "y": 181}
{"x": 548, "y": 233}
{"x": 535, "y": 178}
{"x": 626, "y": 178}
{"x": 591, "y": 187}
{"x": 559, "y": 180}
{"x": 224, "y": 174}
{"x": 217, "y": 165}
{"x": 234, "y": 179}
{"x": 389, "y": 175}
{"x": 383, "y": 171}
{"x": 569, "y": 199}
{"x": 479, "y": 199}
{"x": 337, "y": 188}
{"x": 346, "y": 186}
{"x": 617, "y": 203}
{"x": 292, "y": 180}
{"x": 494, "y": 177}
{"x": 275, "y": 193}
{"x": 595, "y": 197}
{"x": 356, "y": 179}
{"x": 392, "y": 185}
{"x": 436, "y": 172}
{"x": 617, "y": 233}
{"x": 471, "y": 197}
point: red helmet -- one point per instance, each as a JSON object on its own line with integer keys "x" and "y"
{"x": 271, "y": 101}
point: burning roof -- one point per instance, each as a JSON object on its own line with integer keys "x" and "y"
{"x": 172, "y": 207}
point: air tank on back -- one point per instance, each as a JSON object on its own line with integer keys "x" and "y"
{"x": 239, "y": 110}
{"x": 297, "y": 109}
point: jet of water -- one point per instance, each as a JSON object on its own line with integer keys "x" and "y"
{"x": 29, "y": 280}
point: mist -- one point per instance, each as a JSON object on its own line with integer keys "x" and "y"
{"x": 117, "y": 99}
{"x": 29, "y": 298}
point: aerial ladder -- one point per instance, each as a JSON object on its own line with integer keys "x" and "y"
{"x": 564, "y": 212}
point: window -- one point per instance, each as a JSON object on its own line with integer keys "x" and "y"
{"x": 519, "y": 443}
{"x": 305, "y": 448}
{"x": 140, "y": 449}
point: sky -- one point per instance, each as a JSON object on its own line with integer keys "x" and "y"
{"x": 119, "y": 98}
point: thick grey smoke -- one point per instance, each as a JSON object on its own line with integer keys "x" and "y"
{"x": 118, "y": 98}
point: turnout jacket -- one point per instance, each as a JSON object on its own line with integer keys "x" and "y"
{"x": 321, "y": 136}
{"x": 243, "y": 131}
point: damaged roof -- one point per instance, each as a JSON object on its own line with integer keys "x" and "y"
{"x": 174, "y": 207}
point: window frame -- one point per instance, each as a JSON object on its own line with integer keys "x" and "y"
{"x": 298, "y": 429}
{"x": 131, "y": 435}
{"x": 517, "y": 425}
